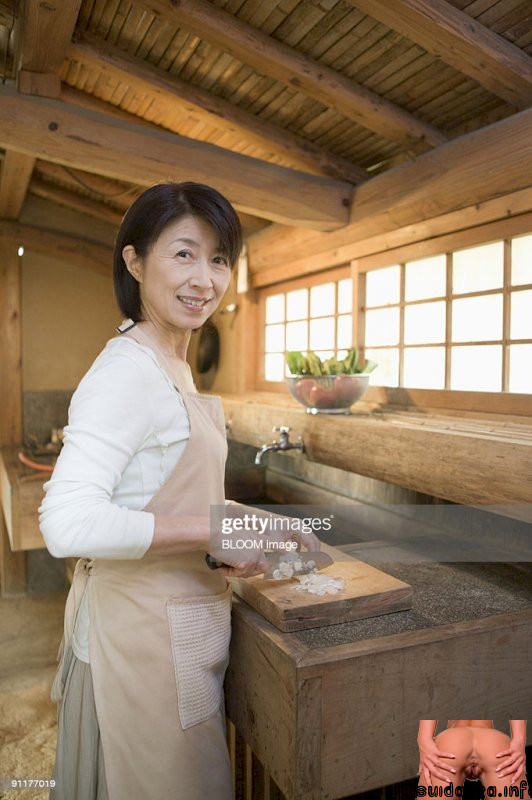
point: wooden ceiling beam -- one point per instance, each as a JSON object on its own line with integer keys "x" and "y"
{"x": 111, "y": 61}
{"x": 297, "y": 70}
{"x": 93, "y": 142}
{"x": 74, "y": 201}
{"x": 15, "y": 174}
{"x": 460, "y": 41}
{"x": 477, "y": 172}
{"x": 120, "y": 196}
{"x": 45, "y": 31}
{"x": 71, "y": 249}
{"x": 117, "y": 193}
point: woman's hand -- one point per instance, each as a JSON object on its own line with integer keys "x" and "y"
{"x": 307, "y": 540}
{"x": 430, "y": 763}
{"x": 515, "y": 763}
{"x": 244, "y": 569}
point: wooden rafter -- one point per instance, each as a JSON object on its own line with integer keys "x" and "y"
{"x": 467, "y": 172}
{"x": 115, "y": 194}
{"x": 111, "y": 61}
{"x": 109, "y": 191}
{"x": 91, "y": 141}
{"x": 65, "y": 247}
{"x": 15, "y": 174}
{"x": 299, "y": 71}
{"x": 45, "y": 31}
{"x": 461, "y": 41}
{"x": 74, "y": 201}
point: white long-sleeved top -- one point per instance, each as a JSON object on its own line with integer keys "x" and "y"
{"x": 127, "y": 428}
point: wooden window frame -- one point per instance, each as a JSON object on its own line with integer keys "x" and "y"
{"x": 307, "y": 282}
{"x": 454, "y": 400}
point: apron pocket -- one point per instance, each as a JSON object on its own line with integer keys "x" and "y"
{"x": 200, "y": 632}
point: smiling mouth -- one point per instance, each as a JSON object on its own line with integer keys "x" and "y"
{"x": 194, "y": 302}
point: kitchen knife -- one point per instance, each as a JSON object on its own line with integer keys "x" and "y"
{"x": 305, "y": 563}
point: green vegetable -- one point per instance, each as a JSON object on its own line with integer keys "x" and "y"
{"x": 314, "y": 363}
{"x": 369, "y": 366}
{"x": 311, "y": 364}
{"x": 297, "y": 363}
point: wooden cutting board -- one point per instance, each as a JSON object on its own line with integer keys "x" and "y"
{"x": 369, "y": 592}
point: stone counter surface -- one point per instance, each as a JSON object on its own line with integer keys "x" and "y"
{"x": 443, "y": 594}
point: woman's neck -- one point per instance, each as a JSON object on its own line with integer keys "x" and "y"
{"x": 173, "y": 344}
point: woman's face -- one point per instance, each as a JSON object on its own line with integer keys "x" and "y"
{"x": 183, "y": 277}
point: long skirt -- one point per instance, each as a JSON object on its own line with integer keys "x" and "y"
{"x": 79, "y": 771}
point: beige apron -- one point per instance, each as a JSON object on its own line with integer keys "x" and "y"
{"x": 159, "y": 639}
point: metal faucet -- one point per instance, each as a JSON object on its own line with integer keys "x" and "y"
{"x": 283, "y": 444}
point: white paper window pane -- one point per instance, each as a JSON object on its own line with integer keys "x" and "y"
{"x": 275, "y": 308}
{"x": 322, "y": 300}
{"x": 477, "y": 318}
{"x": 345, "y": 331}
{"x": 521, "y": 315}
{"x": 520, "y": 368}
{"x": 424, "y": 367}
{"x": 382, "y": 326}
{"x": 341, "y": 354}
{"x": 382, "y": 286}
{"x": 322, "y": 333}
{"x": 478, "y": 268}
{"x": 274, "y": 338}
{"x": 477, "y": 368}
{"x": 345, "y": 296}
{"x": 522, "y": 260}
{"x": 323, "y": 354}
{"x": 297, "y": 304}
{"x": 425, "y": 278}
{"x": 274, "y": 366}
{"x": 425, "y": 322}
{"x": 387, "y": 372}
{"x": 297, "y": 335}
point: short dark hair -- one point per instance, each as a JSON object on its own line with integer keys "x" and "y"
{"x": 149, "y": 215}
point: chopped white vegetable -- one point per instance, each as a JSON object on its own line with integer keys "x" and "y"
{"x": 319, "y": 584}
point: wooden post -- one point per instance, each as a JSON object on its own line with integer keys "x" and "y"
{"x": 247, "y": 342}
{"x": 12, "y": 565}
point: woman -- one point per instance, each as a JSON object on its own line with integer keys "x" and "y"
{"x": 147, "y": 623}
{"x": 476, "y": 747}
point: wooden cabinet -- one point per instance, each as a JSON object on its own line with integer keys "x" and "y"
{"x": 335, "y": 711}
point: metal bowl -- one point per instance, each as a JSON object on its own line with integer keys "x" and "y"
{"x": 327, "y": 394}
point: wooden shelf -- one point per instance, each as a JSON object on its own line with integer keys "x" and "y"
{"x": 469, "y": 460}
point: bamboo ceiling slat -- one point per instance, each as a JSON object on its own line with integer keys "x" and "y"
{"x": 99, "y": 9}
{"x": 85, "y": 13}
{"x": 268, "y": 18}
{"x": 354, "y": 47}
{"x": 403, "y": 63}
{"x": 499, "y": 17}
{"x": 255, "y": 13}
{"x": 300, "y": 22}
{"x": 334, "y": 26}
{"x": 109, "y": 11}
{"x": 159, "y": 34}
{"x": 453, "y": 105}
{"x": 340, "y": 36}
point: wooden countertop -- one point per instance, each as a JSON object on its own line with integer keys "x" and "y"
{"x": 21, "y": 498}
{"x": 484, "y": 461}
